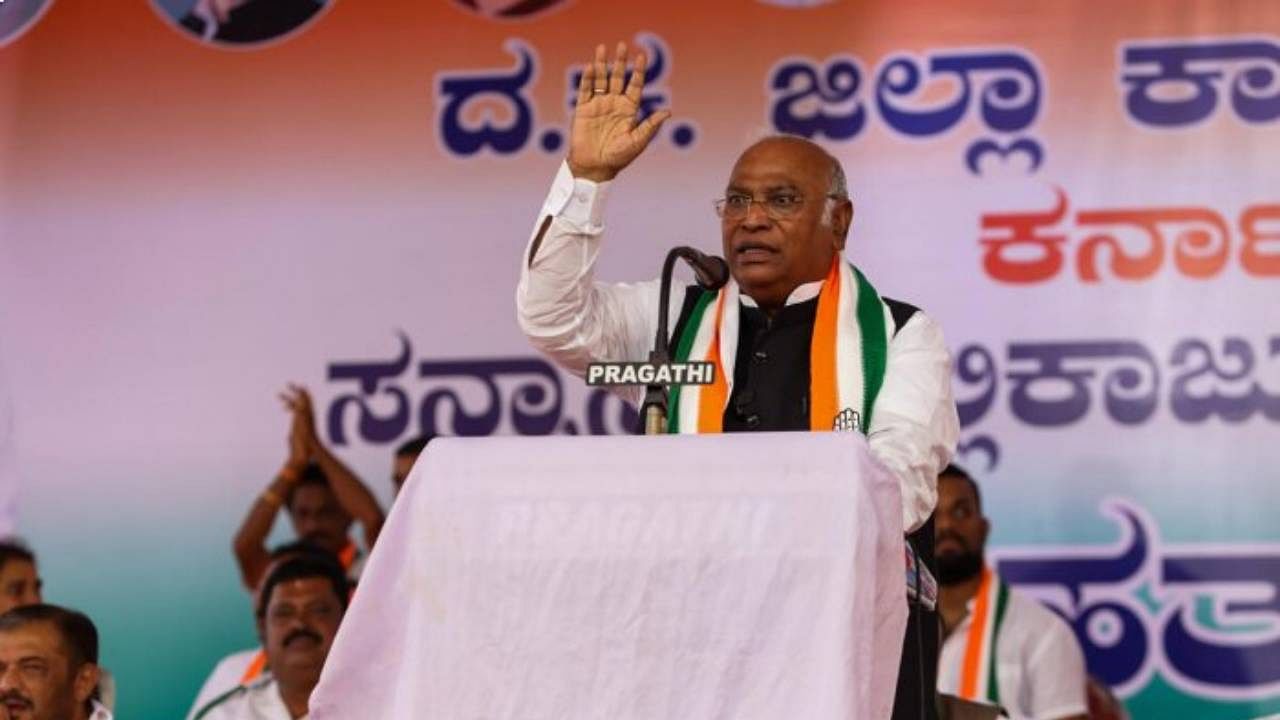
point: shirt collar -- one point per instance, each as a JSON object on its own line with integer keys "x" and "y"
{"x": 803, "y": 293}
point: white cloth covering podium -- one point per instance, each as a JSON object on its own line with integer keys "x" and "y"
{"x": 740, "y": 576}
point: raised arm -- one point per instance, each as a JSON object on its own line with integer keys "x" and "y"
{"x": 352, "y": 494}
{"x": 250, "y": 543}
{"x": 561, "y": 309}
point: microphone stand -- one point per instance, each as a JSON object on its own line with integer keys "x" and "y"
{"x": 653, "y": 411}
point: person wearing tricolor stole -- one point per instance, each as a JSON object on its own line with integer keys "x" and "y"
{"x": 800, "y": 338}
{"x": 1000, "y": 647}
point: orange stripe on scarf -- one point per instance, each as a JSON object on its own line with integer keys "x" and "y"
{"x": 714, "y": 397}
{"x": 347, "y": 556}
{"x": 972, "y": 668}
{"x": 256, "y": 666}
{"x": 823, "y": 396}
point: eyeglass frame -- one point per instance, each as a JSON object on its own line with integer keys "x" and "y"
{"x": 719, "y": 205}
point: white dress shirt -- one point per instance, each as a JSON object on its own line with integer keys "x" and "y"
{"x": 576, "y": 321}
{"x": 259, "y": 700}
{"x": 226, "y": 676}
{"x": 1039, "y": 665}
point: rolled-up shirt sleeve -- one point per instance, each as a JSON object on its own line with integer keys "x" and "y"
{"x": 914, "y": 426}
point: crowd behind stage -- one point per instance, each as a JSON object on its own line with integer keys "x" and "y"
{"x": 49, "y": 667}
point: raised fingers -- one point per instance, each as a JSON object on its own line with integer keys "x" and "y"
{"x": 636, "y": 85}
{"x": 587, "y": 82}
{"x": 600, "y": 81}
{"x": 619, "y": 74}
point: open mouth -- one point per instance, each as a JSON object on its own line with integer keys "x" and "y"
{"x": 749, "y": 252}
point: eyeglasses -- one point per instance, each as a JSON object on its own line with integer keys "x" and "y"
{"x": 776, "y": 206}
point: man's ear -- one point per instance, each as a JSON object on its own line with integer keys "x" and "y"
{"x": 841, "y": 221}
{"x": 85, "y": 682}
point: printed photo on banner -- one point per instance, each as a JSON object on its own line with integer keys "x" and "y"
{"x": 18, "y": 16}
{"x": 511, "y": 9}
{"x": 241, "y": 22}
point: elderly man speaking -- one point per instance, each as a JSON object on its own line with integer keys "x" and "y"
{"x": 800, "y": 338}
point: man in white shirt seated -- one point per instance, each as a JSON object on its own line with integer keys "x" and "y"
{"x": 48, "y": 665}
{"x": 301, "y": 604}
{"x": 245, "y": 667}
{"x": 999, "y": 647}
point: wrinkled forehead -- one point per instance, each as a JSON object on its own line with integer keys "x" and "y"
{"x": 778, "y": 163}
{"x": 32, "y": 640}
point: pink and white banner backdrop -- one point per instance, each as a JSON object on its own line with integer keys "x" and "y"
{"x": 1086, "y": 197}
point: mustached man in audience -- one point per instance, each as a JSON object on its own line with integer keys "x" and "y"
{"x": 49, "y": 665}
{"x": 299, "y": 609}
{"x": 246, "y": 667}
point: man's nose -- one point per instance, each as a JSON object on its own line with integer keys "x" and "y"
{"x": 8, "y": 678}
{"x": 941, "y": 523}
{"x": 756, "y": 217}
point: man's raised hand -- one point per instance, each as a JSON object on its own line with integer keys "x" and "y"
{"x": 605, "y": 136}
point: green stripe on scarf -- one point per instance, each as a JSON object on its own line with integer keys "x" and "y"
{"x": 875, "y": 349}
{"x": 1002, "y": 604}
{"x": 683, "y": 347}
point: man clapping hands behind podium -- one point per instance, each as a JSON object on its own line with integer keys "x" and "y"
{"x": 804, "y": 341}
{"x": 319, "y": 491}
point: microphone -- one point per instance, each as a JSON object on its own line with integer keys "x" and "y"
{"x": 711, "y": 271}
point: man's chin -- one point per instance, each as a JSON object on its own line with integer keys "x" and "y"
{"x": 756, "y": 280}
{"x": 302, "y": 663}
{"x": 955, "y": 568}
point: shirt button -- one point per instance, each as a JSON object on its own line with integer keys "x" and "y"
{"x": 759, "y": 356}
{"x": 753, "y": 421}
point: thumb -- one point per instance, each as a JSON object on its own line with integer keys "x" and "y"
{"x": 645, "y": 131}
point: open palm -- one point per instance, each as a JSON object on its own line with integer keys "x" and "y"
{"x": 605, "y": 136}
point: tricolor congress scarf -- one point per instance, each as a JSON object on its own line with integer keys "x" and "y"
{"x": 847, "y": 355}
{"x": 978, "y": 680}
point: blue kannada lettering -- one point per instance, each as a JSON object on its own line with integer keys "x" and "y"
{"x": 465, "y": 397}
{"x": 536, "y": 404}
{"x": 374, "y": 378}
{"x": 1176, "y": 84}
{"x": 460, "y": 90}
{"x": 1121, "y": 636}
{"x": 813, "y": 100}
{"x": 1009, "y": 100}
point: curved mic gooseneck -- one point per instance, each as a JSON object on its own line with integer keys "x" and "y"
{"x": 711, "y": 273}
